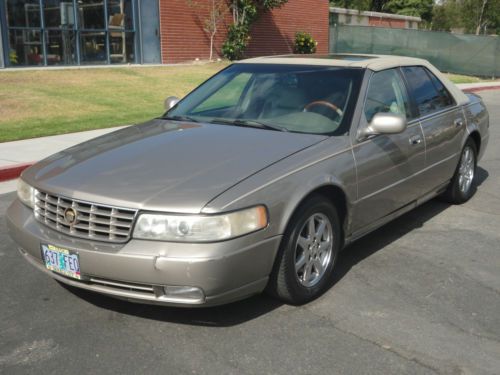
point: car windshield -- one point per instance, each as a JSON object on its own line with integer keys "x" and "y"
{"x": 296, "y": 98}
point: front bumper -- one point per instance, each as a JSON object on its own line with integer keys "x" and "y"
{"x": 139, "y": 270}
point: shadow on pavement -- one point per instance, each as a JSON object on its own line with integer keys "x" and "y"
{"x": 392, "y": 231}
{"x": 251, "y": 308}
{"x": 219, "y": 316}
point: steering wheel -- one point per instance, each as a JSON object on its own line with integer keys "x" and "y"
{"x": 325, "y": 104}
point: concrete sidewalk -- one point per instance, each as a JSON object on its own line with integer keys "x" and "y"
{"x": 16, "y": 156}
{"x": 479, "y": 86}
{"x": 30, "y": 150}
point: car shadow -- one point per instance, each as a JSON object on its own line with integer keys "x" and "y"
{"x": 242, "y": 311}
{"x": 392, "y": 231}
{"x": 219, "y": 316}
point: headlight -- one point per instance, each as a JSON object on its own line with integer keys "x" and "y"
{"x": 197, "y": 228}
{"x": 26, "y": 193}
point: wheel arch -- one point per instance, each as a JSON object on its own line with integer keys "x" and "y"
{"x": 476, "y": 137}
{"x": 332, "y": 192}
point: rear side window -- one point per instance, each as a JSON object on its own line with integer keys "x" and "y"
{"x": 446, "y": 97}
{"x": 429, "y": 93}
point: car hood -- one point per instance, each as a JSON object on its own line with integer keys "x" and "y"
{"x": 164, "y": 165}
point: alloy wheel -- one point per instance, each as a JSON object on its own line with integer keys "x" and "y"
{"x": 466, "y": 170}
{"x": 313, "y": 249}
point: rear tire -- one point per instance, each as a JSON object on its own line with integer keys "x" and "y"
{"x": 308, "y": 251}
{"x": 463, "y": 184}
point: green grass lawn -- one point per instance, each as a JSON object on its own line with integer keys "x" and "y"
{"x": 458, "y": 78}
{"x": 48, "y": 102}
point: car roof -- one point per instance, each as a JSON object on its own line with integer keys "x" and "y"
{"x": 364, "y": 61}
{"x": 373, "y": 62}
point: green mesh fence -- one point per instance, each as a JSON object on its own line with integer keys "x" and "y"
{"x": 462, "y": 54}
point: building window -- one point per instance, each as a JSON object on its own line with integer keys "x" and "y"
{"x": 69, "y": 32}
{"x": 121, "y": 31}
{"x": 25, "y": 33}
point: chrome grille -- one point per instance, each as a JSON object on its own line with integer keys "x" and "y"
{"x": 94, "y": 221}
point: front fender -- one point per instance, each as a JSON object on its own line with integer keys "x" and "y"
{"x": 283, "y": 186}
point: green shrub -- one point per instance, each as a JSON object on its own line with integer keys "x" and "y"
{"x": 236, "y": 42}
{"x": 304, "y": 43}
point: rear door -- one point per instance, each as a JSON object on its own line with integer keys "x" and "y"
{"x": 388, "y": 165}
{"x": 442, "y": 122}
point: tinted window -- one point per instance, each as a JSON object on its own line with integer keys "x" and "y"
{"x": 386, "y": 93}
{"x": 446, "y": 98}
{"x": 424, "y": 91}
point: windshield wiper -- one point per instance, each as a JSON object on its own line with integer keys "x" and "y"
{"x": 249, "y": 123}
{"x": 180, "y": 118}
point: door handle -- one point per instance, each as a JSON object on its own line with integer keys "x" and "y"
{"x": 458, "y": 122}
{"x": 415, "y": 140}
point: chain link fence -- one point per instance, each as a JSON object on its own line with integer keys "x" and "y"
{"x": 453, "y": 53}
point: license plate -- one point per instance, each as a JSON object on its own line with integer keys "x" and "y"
{"x": 61, "y": 261}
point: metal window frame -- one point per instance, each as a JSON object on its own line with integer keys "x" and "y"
{"x": 5, "y": 28}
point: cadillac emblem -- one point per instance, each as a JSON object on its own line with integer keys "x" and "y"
{"x": 70, "y": 216}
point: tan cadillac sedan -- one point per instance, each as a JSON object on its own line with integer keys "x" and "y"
{"x": 254, "y": 181}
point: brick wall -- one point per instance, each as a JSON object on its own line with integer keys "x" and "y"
{"x": 182, "y": 35}
{"x": 387, "y": 22}
{"x": 274, "y": 32}
{"x": 183, "y": 38}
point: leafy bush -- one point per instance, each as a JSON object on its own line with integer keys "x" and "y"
{"x": 304, "y": 43}
{"x": 236, "y": 42}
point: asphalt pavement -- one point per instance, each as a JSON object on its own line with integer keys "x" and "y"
{"x": 419, "y": 296}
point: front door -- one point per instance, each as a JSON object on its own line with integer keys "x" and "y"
{"x": 150, "y": 32}
{"x": 388, "y": 165}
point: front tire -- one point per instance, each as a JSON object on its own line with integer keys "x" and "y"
{"x": 463, "y": 184}
{"x": 308, "y": 252}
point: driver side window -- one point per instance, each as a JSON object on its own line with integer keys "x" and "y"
{"x": 386, "y": 94}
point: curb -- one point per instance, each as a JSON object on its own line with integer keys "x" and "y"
{"x": 483, "y": 88}
{"x": 11, "y": 172}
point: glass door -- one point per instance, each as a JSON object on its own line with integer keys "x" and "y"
{"x": 92, "y": 30}
{"x": 60, "y": 35}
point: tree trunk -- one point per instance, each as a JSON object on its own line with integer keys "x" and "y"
{"x": 480, "y": 21}
{"x": 211, "y": 45}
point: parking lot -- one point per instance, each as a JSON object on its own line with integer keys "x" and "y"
{"x": 420, "y": 295}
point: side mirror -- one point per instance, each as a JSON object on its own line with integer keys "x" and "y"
{"x": 170, "y": 102}
{"x": 384, "y": 123}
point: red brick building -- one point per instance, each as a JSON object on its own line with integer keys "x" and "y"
{"x": 109, "y": 32}
{"x": 183, "y": 38}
